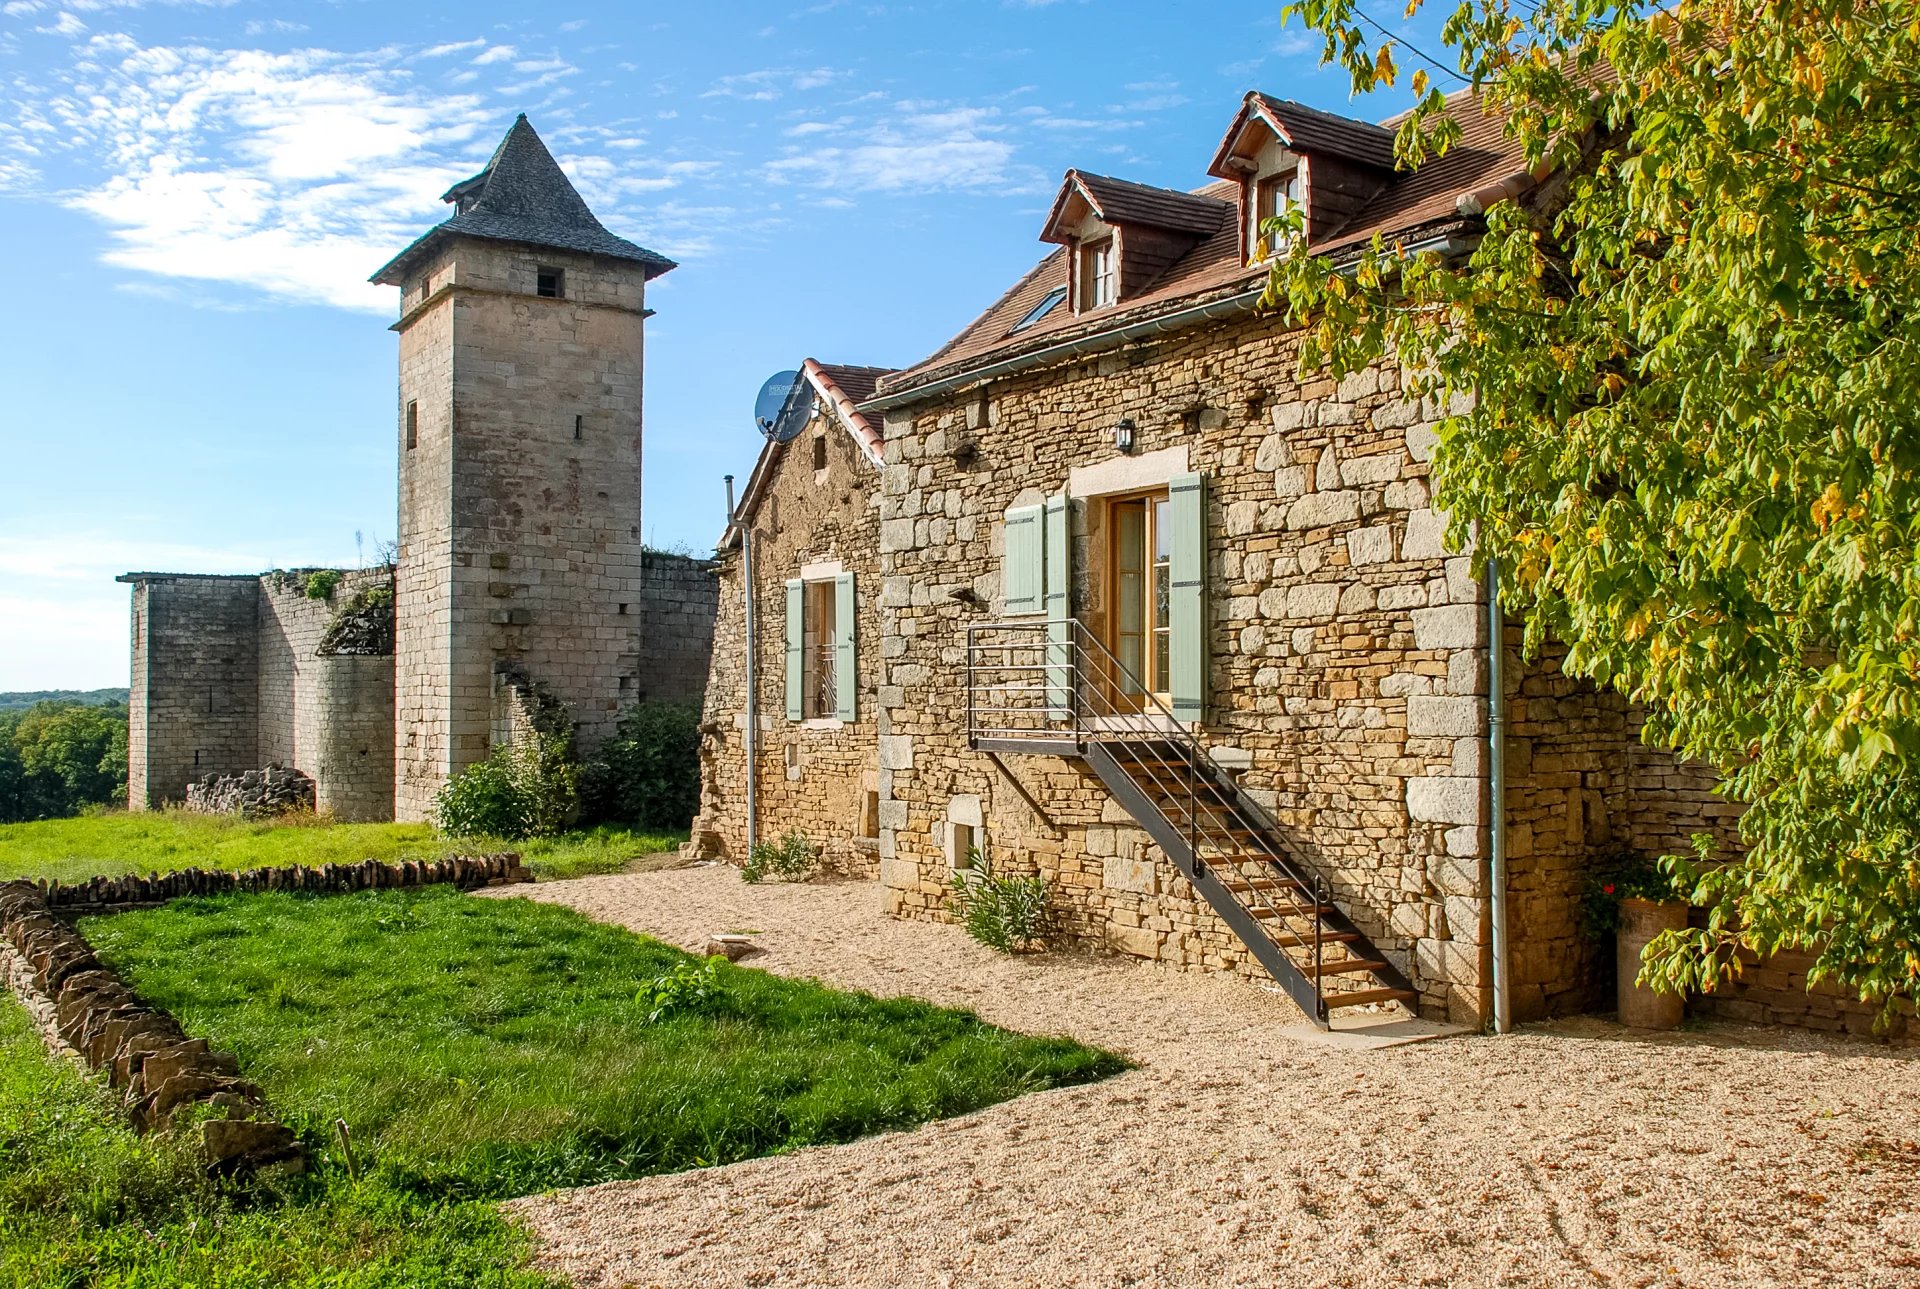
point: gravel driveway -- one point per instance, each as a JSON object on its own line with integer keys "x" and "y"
{"x": 1577, "y": 1154}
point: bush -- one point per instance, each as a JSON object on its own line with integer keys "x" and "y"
{"x": 1004, "y": 913}
{"x": 648, "y": 774}
{"x": 790, "y": 859}
{"x": 1625, "y": 875}
{"x": 528, "y": 790}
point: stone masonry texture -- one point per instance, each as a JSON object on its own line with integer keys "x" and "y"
{"x": 817, "y": 776}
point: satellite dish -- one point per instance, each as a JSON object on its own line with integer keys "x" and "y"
{"x": 784, "y": 406}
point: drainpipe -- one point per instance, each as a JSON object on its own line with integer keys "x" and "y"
{"x": 1497, "y": 794}
{"x": 753, "y": 716}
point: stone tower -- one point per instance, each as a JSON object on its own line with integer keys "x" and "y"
{"x": 520, "y": 571}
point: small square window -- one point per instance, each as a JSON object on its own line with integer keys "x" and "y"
{"x": 550, "y": 284}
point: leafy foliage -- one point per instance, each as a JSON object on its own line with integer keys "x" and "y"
{"x": 1004, "y": 913}
{"x": 526, "y": 789}
{"x": 515, "y": 1050}
{"x": 1685, "y": 376}
{"x": 648, "y": 774}
{"x": 791, "y": 859}
{"x": 58, "y": 758}
{"x": 320, "y": 583}
{"x": 1624, "y": 875}
{"x": 687, "y": 986}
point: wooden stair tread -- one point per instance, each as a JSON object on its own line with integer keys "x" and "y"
{"x": 1242, "y": 884}
{"x": 1342, "y": 966}
{"x": 1362, "y": 997}
{"x": 1265, "y": 911}
{"x": 1291, "y": 941}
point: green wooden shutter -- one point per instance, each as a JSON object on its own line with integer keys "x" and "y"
{"x": 1188, "y": 611}
{"x": 1058, "y": 581}
{"x": 1021, "y": 569}
{"x": 846, "y": 684}
{"x": 796, "y": 646}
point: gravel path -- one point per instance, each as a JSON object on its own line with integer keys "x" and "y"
{"x": 1577, "y": 1154}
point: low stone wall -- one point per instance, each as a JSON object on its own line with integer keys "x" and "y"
{"x": 1774, "y": 991}
{"x": 119, "y": 894}
{"x": 143, "y": 1053}
{"x": 276, "y": 790}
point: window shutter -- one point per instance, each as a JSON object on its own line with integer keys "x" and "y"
{"x": 796, "y": 646}
{"x": 1188, "y": 611}
{"x": 846, "y": 683}
{"x": 1020, "y": 573}
{"x": 1058, "y": 572}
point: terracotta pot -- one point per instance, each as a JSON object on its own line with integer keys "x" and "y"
{"x": 1640, "y": 921}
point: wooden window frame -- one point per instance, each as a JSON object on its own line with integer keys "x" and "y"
{"x": 1088, "y": 256}
{"x": 1265, "y": 207}
{"x": 1159, "y": 686}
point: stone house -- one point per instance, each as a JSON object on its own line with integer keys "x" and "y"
{"x": 521, "y": 587}
{"x": 1179, "y": 630}
{"x": 803, "y": 549}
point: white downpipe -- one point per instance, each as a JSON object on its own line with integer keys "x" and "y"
{"x": 1497, "y": 795}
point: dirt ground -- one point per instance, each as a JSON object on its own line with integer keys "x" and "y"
{"x": 1237, "y": 1154}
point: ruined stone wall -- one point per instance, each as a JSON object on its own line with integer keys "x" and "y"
{"x": 1347, "y": 649}
{"x": 531, "y": 478}
{"x": 679, "y": 596}
{"x": 194, "y": 697}
{"x": 818, "y": 776}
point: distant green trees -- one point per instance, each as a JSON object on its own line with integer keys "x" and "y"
{"x": 57, "y": 758}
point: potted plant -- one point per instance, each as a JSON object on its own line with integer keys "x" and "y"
{"x": 1635, "y": 900}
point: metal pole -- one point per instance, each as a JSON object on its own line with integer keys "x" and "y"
{"x": 1497, "y": 793}
{"x": 752, "y": 704}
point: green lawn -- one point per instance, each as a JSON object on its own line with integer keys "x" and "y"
{"x": 485, "y": 1048}
{"x": 86, "y": 1202}
{"x": 117, "y": 842}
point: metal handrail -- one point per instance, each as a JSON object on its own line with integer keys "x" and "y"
{"x": 1083, "y": 670}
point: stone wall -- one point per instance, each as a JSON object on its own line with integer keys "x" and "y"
{"x": 1347, "y": 647}
{"x": 679, "y": 596}
{"x": 520, "y": 533}
{"x": 193, "y": 702}
{"x": 819, "y": 776}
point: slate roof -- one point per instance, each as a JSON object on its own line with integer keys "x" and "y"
{"x": 1120, "y": 201}
{"x": 1423, "y": 203}
{"x": 523, "y": 196}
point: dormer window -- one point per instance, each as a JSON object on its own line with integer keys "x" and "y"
{"x": 1096, "y": 274}
{"x": 1275, "y": 195}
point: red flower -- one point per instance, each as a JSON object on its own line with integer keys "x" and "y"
{"x": 1607, "y": 889}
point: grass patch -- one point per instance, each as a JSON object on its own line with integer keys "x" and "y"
{"x": 486, "y": 1048}
{"x": 114, "y": 843}
{"x": 86, "y": 1202}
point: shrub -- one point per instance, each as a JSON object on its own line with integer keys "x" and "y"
{"x": 320, "y": 583}
{"x": 648, "y": 774}
{"x": 1004, "y": 913}
{"x": 790, "y": 859}
{"x": 689, "y": 986}
{"x": 527, "y": 790}
{"x": 1620, "y": 876}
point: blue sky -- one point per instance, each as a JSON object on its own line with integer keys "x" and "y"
{"x": 199, "y": 378}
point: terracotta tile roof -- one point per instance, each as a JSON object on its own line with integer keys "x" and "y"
{"x": 523, "y": 196}
{"x": 1309, "y": 130}
{"x": 841, "y": 387}
{"x": 1120, "y": 201}
{"x": 1425, "y": 201}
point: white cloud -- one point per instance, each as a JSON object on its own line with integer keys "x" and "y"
{"x": 497, "y": 54}
{"x": 65, "y": 25}
{"x": 296, "y": 174}
{"x": 918, "y": 147}
{"x": 452, "y": 47}
{"x": 261, "y": 26}
{"x": 770, "y": 83}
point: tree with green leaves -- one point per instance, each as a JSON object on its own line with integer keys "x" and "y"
{"x": 56, "y": 758}
{"x": 1693, "y": 440}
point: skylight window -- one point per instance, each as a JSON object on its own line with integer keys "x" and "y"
{"x": 1048, "y": 303}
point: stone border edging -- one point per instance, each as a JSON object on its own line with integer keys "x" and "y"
{"x": 118, "y": 894}
{"x": 143, "y": 1051}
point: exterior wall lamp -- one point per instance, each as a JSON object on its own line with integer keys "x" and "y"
{"x": 1123, "y": 434}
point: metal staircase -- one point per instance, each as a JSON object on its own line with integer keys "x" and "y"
{"x": 1052, "y": 688}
